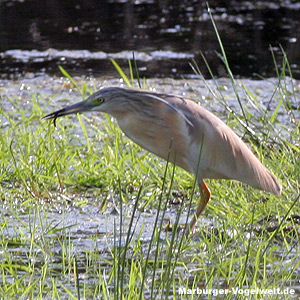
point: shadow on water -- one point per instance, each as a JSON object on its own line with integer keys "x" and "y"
{"x": 181, "y": 31}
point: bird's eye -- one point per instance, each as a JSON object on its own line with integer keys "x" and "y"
{"x": 100, "y": 100}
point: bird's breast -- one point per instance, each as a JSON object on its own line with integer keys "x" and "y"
{"x": 165, "y": 135}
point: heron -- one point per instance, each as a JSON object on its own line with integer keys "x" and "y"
{"x": 201, "y": 143}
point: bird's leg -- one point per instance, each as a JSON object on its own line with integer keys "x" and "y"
{"x": 205, "y": 195}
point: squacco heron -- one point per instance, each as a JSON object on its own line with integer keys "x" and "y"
{"x": 200, "y": 142}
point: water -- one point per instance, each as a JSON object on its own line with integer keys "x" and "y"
{"x": 37, "y": 36}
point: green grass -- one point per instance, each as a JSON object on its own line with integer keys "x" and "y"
{"x": 85, "y": 167}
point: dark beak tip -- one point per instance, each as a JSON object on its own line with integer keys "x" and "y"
{"x": 51, "y": 116}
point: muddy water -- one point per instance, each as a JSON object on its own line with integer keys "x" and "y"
{"x": 61, "y": 93}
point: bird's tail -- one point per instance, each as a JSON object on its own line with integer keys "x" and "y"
{"x": 260, "y": 177}
{"x": 268, "y": 182}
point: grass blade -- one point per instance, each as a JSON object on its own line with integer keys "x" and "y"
{"x": 121, "y": 72}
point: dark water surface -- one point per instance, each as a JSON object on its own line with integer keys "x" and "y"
{"x": 165, "y": 35}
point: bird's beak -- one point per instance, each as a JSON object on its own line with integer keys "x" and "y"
{"x": 79, "y": 107}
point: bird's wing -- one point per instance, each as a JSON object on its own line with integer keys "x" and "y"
{"x": 160, "y": 99}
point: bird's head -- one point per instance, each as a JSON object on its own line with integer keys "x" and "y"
{"x": 108, "y": 100}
